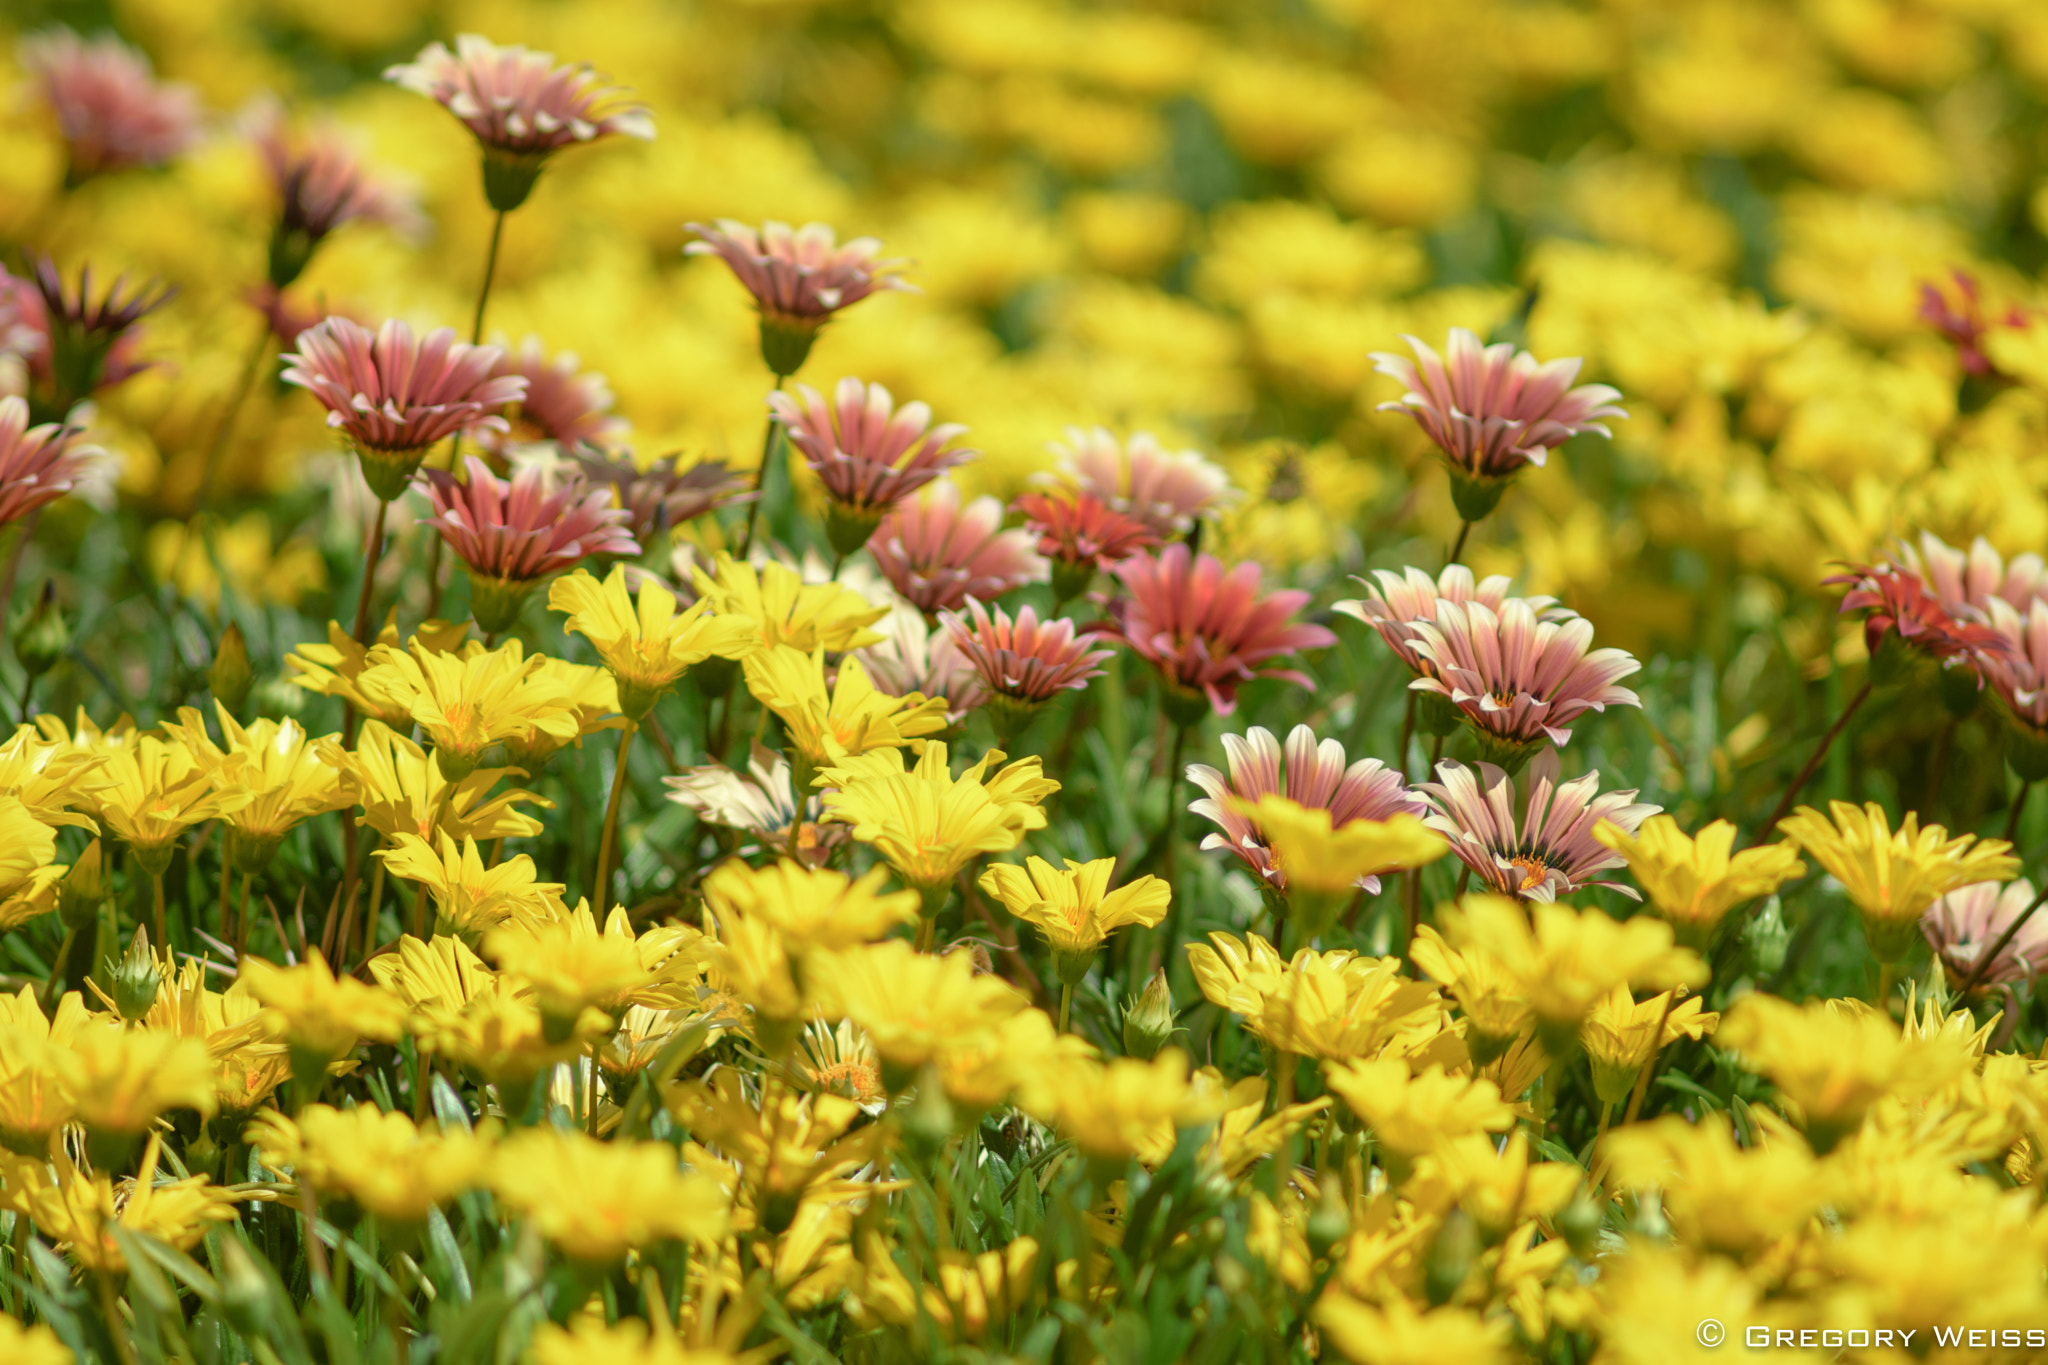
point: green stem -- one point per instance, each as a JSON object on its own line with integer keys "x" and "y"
{"x": 2019, "y": 807}
{"x": 223, "y": 431}
{"x": 1827, "y": 741}
{"x": 1066, "y": 1004}
{"x": 372, "y": 556}
{"x": 156, "y": 896}
{"x": 1635, "y": 1099}
{"x": 599, "y": 893}
{"x": 476, "y": 336}
{"x": 768, "y": 445}
{"x": 1458, "y": 545}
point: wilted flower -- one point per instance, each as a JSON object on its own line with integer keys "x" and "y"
{"x": 562, "y": 404}
{"x": 1962, "y": 925}
{"x": 1316, "y": 778}
{"x": 1492, "y": 409}
{"x": 1518, "y": 680}
{"x": 393, "y": 395}
{"x": 38, "y": 465}
{"x": 320, "y": 186}
{"x": 1080, "y": 533}
{"x": 665, "y": 494}
{"x": 112, "y": 111}
{"x": 1550, "y": 850}
{"x": 868, "y": 453}
{"x": 936, "y": 554}
{"x": 510, "y": 534}
{"x": 88, "y": 342}
{"x": 1023, "y": 664}
{"x": 1163, "y": 490}
{"x": 1206, "y": 629}
{"x": 520, "y": 106}
{"x": 799, "y": 279}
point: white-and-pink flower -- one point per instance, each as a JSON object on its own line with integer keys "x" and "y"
{"x": 1541, "y": 846}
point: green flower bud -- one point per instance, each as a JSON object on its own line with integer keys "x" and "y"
{"x": 1451, "y": 1254}
{"x": 1148, "y": 1019}
{"x": 83, "y": 888}
{"x": 229, "y": 677}
{"x": 1329, "y": 1223}
{"x": 134, "y": 978}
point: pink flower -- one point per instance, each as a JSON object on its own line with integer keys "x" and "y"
{"x": 1898, "y": 606}
{"x": 520, "y": 106}
{"x": 38, "y": 465}
{"x": 571, "y": 409}
{"x": 799, "y": 279}
{"x": 1493, "y": 409}
{"x": 113, "y": 113}
{"x": 1964, "y": 582}
{"x": 1316, "y": 777}
{"x": 393, "y": 395}
{"x": 1963, "y": 321}
{"x": 1162, "y": 490}
{"x": 868, "y": 453}
{"x": 1025, "y": 663}
{"x": 85, "y": 344}
{"x": 1550, "y": 851}
{"x": 1080, "y": 529}
{"x": 1412, "y": 595}
{"x": 2018, "y": 676}
{"x": 1517, "y": 678}
{"x": 1206, "y": 629}
{"x": 937, "y": 554}
{"x": 1962, "y": 926}
{"x": 664, "y": 495}
{"x": 320, "y": 186}
{"x": 519, "y": 531}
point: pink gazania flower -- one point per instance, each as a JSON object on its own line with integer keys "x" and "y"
{"x": 1550, "y": 851}
{"x": 1162, "y": 490}
{"x": 1394, "y": 601}
{"x": 1316, "y": 776}
{"x": 112, "y": 111}
{"x": 868, "y": 453}
{"x": 1206, "y": 629}
{"x": 521, "y": 107}
{"x": 1023, "y": 664}
{"x": 1965, "y": 581}
{"x": 563, "y": 404}
{"x": 510, "y": 534}
{"x": 936, "y": 554}
{"x": 88, "y": 342}
{"x": 1962, "y": 926}
{"x": 665, "y": 494}
{"x": 1960, "y": 317}
{"x": 38, "y": 465}
{"x": 799, "y": 278}
{"x": 393, "y": 395}
{"x": 320, "y": 186}
{"x": 1080, "y": 533}
{"x": 915, "y": 656}
{"x": 2017, "y": 675}
{"x": 1902, "y": 620}
{"x": 1493, "y": 409}
{"x": 1518, "y": 679}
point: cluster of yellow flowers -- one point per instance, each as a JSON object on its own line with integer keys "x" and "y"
{"x": 887, "y": 1003}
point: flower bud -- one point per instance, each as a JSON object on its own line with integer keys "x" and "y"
{"x": 1148, "y": 1019}
{"x": 1767, "y": 938}
{"x": 1451, "y": 1254}
{"x": 134, "y": 978}
{"x": 83, "y": 888}
{"x": 1580, "y": 1223}
{"x": 41, "y": 635}
{"x": 229, "y": 676}
{"x": 1330, "y": 1221}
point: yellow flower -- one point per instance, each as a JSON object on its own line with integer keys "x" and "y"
{"x": 473, "y": 1016}
{"x": 1651, "y": 1302}
{"x": 1396, "y": 1334}
{"x": 50, "y": 774}
{"x": 335, "y": 669}
{"x": 1621, "y": 1034}
{"x": 751, "y": 961}
{"x": 1324, "y": 865}
{"x": 1408, "y": 1112}
{"x": 380, "y": 1160}
{"x": 645, "y": 644}
{"x": 1568, "y": 960}
{"x": 125, "y": 1079}
{"x": 1333, "y": 1005}
{"x": 1022, "y": 1054}
{"x": 569, "y": 965}
{"x": 1834, "y": 1059}
{"x": 38, "y": 1072}
{"x": 1728, "y": 1199}
{"x": 590, "y": 693}
{"x": 828, "y": 727}
{"x": 596, "y": 1201}
{"x": 1126, "y": 1108}
{"x": 786, "y": 610}
{"x": 1245, "y": 1133}
{"x": 157, "y": 790}
{"x": 37, "y": 1345}
{"x": 927, "y": 823}
{"x": 625, "y": 1342}
{"x": 471, "y": 898}
{"x": 29, "y": 872}
{"x": 247, "y": 1064}
{"x": 473, "y": 705}
{"x": 811, "y": 907}
{"x": 273, "y": 766}
{"x": 1494, "y": 1182}
{"x": 80, "y": 1212}
{"x": 913, "y": 1005}
{"x": 1075, "y": 909}
{"x": 786, "y": 1147}
{"x": 402, "y": 790}
{"x": 1694, "y": 881}
{"x": 1488, "y": 995}
{"x": 1892, "y": 877}
{"x": 320, "y": 1014}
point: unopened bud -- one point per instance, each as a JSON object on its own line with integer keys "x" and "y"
{"x": 230, "y": 676}
{"x": 83, "y": 888}
{"x": 41, "y": 635}
{"x": 1580, "y": 1222}
{"x": 1148, "y": 1019}
{"x": 1767, "y": 939}
{"x": 1451, "y": 1254}
{"x": 1329, "y": 1223}
{"x": 134, "y": 978}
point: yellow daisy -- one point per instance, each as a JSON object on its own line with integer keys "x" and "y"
{"x": 646, "y": 644}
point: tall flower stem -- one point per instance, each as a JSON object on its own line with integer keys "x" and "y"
{"x": 768, "y": 445}
{"x": 476, "y": 336}
{"x": 1458, "y": 545}
{"x": 372, "y": 555}
{"x": 219, "y": 444}
{"x": 1827, "y": 741}
{"x": 2019, "y": 808}
{"x": 1173, "y": 773}
{"x": 1635, "y": 1099}
{"x": 1066, "y": 1004}
{"x": 156, "y": 896}
{"x": 600, "y": 893}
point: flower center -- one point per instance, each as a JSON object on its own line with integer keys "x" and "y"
{"x": 1533, "y": 871}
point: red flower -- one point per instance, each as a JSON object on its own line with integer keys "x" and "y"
{"x": 1079, "y": 528}
{"x": 1206, "y": 629}
{"x": 510, "y": 534}
{"x": 868, "y": 453}
{"x": 320, "y": 185}
{"x": 1898, "y": 603}
{"x": 571, "y": 409}
{"x": 1026, "y": 660}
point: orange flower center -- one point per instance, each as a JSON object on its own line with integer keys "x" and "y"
{"x": 1533, "y": 872}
